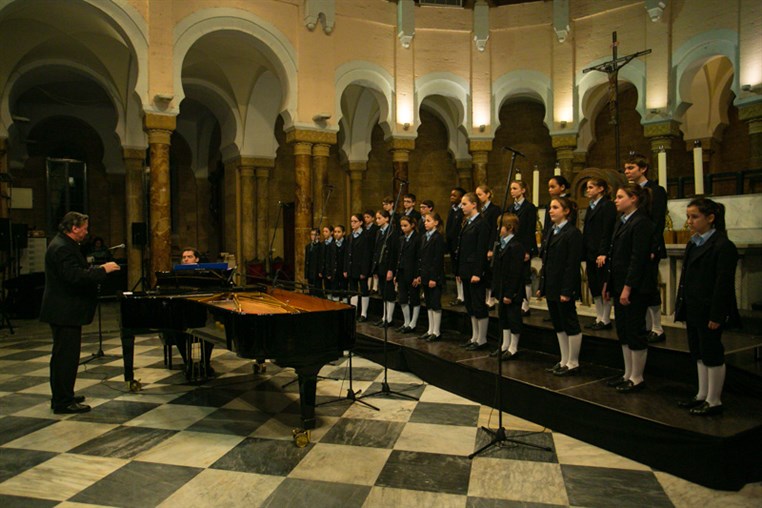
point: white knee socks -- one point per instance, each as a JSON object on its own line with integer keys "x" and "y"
{"x": 638, "y": 365}
{"x": 430, "y": 316}
{"x": 364, "y": 302}
{"x": 353, "y": 301}
{"x": 563, "y": 345}
{"x": 474, "y": 329}
{"x": 414, "y": 320}
{"x": 405, "y": 314}
{"x": 437, "y": 319}
{"x": 482, "y": 324}
{"x": 654, "y": 313}
{"x": 575, "y": 344}
{"x": 703, "y": 380}
{"x": 389, "y": 314}
{"x": 716, "y": 377}
{"x": 459, "y": 286}
{"x": 506, "y": 340}
{"x": 627, "y": 355}
{"x": 525, "y": 303}
{"x": 514, "y": 346}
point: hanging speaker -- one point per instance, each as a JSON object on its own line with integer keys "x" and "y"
{"x": 139, "y": 234}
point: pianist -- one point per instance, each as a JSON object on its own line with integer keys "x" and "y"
{"x": 191, "y": 256}
{"x": 69, "y": 301}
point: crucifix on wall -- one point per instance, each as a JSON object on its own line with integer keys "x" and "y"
{"x": 611, "y": 68}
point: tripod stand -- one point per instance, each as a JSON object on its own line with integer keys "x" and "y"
{"x": 99, "y": 353}
{"x": 351, "y": 393}
{"x": 142, "y": 282}
{"x": 385, "y": 389}
{"x": 498, "y": 435}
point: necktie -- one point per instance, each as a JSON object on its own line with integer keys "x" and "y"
{"x": 592, "y": 206}
{"x": 556, "y": 229}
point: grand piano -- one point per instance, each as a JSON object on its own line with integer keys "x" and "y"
{"x": 291, "y": 329}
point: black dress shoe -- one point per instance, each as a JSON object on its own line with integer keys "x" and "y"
{"x": 654, "y": 337}
{"x": 73, "y": 408}
{"x": 630, "y": 387}
{"x": 554, "y": 368}
{"x": 433, "y": 338}
{"x": 507, "y": 355}
{"x": 495, "y": 352}
{"x": 591, "y": 326}
{"x": 380, "y": 322}
{"x": 601, "y": 326}
{"x": 706, "y": 410}
{"x": 425, "y": 336}
{"x": 477, "y": 347}
{"x": 467, "y": 344}
{"x": 362, "y": 319}
{"x": 689, "y": 403}
{"x": 77, "y": 398}
{"x": 456, "y": 302}
{"x": 566, "y": 371}
{"x": 401, "y": 329}
{"x": 614, "y": 382}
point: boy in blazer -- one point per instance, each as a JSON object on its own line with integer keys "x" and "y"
{"x": 508, "y": 285}
{"x": 431, "y": 273}
{"x": 409, "y": 293}
{"x": 452, "y": 233}
{"x": 384, "y": 259}
{"x": 526, "y": 212}
{"x": 357, "y": 264}
{"x": 599, "y": 227}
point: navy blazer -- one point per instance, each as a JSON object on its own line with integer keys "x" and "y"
{"x": 658, "y": 215}
{"x": 71, "y": 287}
{"x": 707, "y": 283}
{"x": 561, "y": 258}
{"x": 508, "y": 272}
{"x": 384, "y": 252}
{"x": 599, "y": 228}
{"x": 408, "y": 258}
{"x": 527, "y": 214}
{"x": 335, "y": 259}
{"x": 431, "y": 264}
{"x": 452, "y": 229}
{"x": 473, "y": 244}
{"x": 358, "y": 257}
{"x": 312, "y": 259}
{"x": 629, "y": 255}
{"x": 491, "y": 215}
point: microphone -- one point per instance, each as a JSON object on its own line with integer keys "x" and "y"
{"x": 514, "y": 151}
{"x": 120, "y": 246}
{"x": 400, "y": 180}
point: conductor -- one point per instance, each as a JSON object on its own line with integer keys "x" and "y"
{"x": 69, "y": 301}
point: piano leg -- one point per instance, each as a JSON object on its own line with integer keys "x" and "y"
{"x": 307, "y": 394}
{"x": 128, "y": 355}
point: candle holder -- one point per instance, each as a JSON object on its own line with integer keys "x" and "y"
{"x": 518, "y": 175}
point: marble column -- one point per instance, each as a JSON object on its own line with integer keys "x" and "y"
{"x": 303, "y": 208}
{"x": 263, "y": 176}
{"x": 356, "y": 174}
{"x": 320, "y": 152}
{"x": 400, "y": 148}
{"x": 752, "y": 115}
{"x": 463, "y": 167}
{"x": 579, "y": 163}
{"x": 159, "y": 129}
{"x": 248, "y": 210}
{"x": 303, "y": 141}
{"x": 3, "y": 169}
{"x": 564, "y": 145}
{"x": 134, "y": 199}
{"x": 479, "y": 149}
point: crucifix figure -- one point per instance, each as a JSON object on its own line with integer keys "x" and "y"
{"x": 611, "y": 68}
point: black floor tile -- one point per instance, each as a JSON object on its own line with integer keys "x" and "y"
{"x": 358, "y": 373}
{"x": 32, "y": 344}
{"x": 207, "y": 397}
{"x": 19, "y": 401}
{"x": 14, "y": 461}
{"x": 124, "y": 442}
{"x": 159, "y": 481}
{"x": 18, "y": 383}
{"x": 616, "y": 488}
{"x": 13, "y": 427}
{"x": 263, "y": 456}
{"x": 116, "y": 411}
{"x": 22, "y": 367}
{"x": 237, "y": 422}
{"x": 524, "y": 446}
{"x": 481, "y": 502}
{"x": 446, "y": 414}
{"x": 326, "y": 405}
{"x": 296, "y": 493}
{"x": 101, "y": 372}
{"x": 358, "y": 432}
{"x": 26, "y": 355}
{"x": 406, "y": 389}
{"x": 431, "y": 472}
{"x": 25, "y": 502}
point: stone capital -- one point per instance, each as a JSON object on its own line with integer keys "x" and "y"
{"x": 321, "y": 150}
{"x": 159, "y": 137}
{"x": 463, "y": 164}
{"x": 262, "y": 172}
{"x": 750, "y": 112}
{"x": 302, "y": 148}
{"x": 310, "y": 136}
{"x": 133, "y": 153}
{"x": 479, "y": 145}
{"x": 161, "y": 122}
{"x": 566, "y": 141}
{"x": 407, "y": 144}
{"x": 480, "y": 157}
{"x": 657, "y": 143}
{"x": 262, "y": 162}
{"x": 667, "y": 128}
{"x": 357, "y": 170}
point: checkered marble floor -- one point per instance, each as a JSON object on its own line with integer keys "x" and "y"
{"x": 227, "y": 442}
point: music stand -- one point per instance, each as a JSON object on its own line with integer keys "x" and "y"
{"x": 99, "y": 353}
{"x": 498, "y": 435}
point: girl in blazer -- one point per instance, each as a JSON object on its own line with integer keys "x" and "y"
{"x": 628, "y": 282}
{"x": 473, "y": 244}
{"x": 369, "y": 220}
{"x": 406, "y": 277}
{"x": 335, "y": 263}
{"x": 560, "y": 283}
{"x": 431, "y": 273}
{"x": 327, "y": 240}
{"x": 508, "y": 285}
{"x": 706, "y": 300}
{"x": 526, "y": 212}
{"x": 596, "y": 236}
{"x": 357, "y": 264}
{"x": 312, "y": 260}
{"x": 491, "y": 213}
{"x": 557, "y": 187}
{"x": 384, "y": 259}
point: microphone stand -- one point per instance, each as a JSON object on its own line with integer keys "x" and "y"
{"x": 498, "y": 435}
{"x": 385, "y": 389}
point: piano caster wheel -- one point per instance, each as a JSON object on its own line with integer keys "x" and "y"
{"x": 301, "y": 437}
{"x": 134, "y": 385}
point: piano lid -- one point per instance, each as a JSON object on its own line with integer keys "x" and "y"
{"x": 272, "y": 301}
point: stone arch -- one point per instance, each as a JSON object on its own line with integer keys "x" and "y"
{"x": 613, "y": 178}
{"x": 451, "y": 86}
{"x": 270, "y": 41}
{"x": 375, "y": 79}
{"x": 523, "y": 84}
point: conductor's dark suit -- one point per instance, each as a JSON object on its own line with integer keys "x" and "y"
{"x": 628, "y": 265}
{"x": 599, "y": 227}
{"x": 707, "y": 293}
{"x": 473, "y": 244}
{"x": 68, "y": 302}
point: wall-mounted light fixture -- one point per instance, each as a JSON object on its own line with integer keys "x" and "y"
{"x": 163, "y": 97}
{"x": 405, "y": 126}
{"x": 321, "y": 117}
{"x": 482, "y": 128}
{"x": 563, "y": 124}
